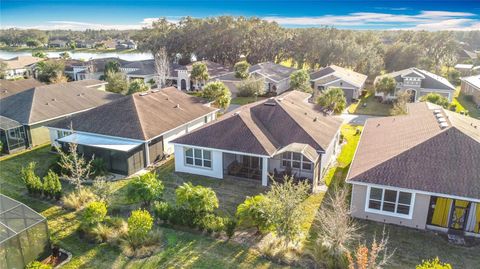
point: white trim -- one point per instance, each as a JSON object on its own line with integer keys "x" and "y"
{"x": 102, "y": 135}
{"x": 62, "y": 116}
{"x": 442, "y": 195}
{"x": 392, "y": 214}
{"x": 193, "y": 158}
{"x": 221, "y": 150}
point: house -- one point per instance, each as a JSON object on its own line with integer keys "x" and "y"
{"x": 464, "y": 69}
{"x": 85, "y": 44}
{"x": 277, "y": 77}
{"x": 36, "y": 107}
{"x": 464, "y": 55}
{"x": 284, "y": 135}
{"x": 91, "y": 69}
{"x": 471, "y": 86}
{"x": 57, "y": 43}
{"x": 334, "y": 76}
{"x": 125, "y": 44}
{"x": 215, "y": 70}
{"x": 91, "y": 83}
{"x": 20, "y": 66}
{"x": 418, "y": 83}
{"x": 11, "y": 87}
{"x": 135, "y": 131}
{"x": 419, "y": 170}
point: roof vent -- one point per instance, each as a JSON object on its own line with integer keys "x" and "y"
{"x": 441, "y": 119}
{"x": 156, "y": 90}
{"x": 315, "y": 119}
{"x": 439, "y": 116}
{"x": 53, "y": 99}
{"x": 143, "y": 93}
{"x": 177, "y": 106}
{"x": 437, "y": 111}
{"x": 443, "y": 125}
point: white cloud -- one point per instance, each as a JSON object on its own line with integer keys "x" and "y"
{"x": 425, "y": 20}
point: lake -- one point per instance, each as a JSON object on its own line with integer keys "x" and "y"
{"x": 134, "y": 56}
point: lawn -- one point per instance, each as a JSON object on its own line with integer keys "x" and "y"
{"x": 464, "y": 103}
{"x": 373, "y": 107}
{"x": 245, "y": 100}
{"x": 180, "y": 249}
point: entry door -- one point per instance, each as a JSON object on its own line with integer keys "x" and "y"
{"x": 459, "y": 215}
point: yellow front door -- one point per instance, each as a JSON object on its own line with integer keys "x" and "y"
{"x": 459, "y": 216}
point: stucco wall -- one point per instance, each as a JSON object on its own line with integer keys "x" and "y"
{"x": 330, "y": 154}
{"x": 40, "y": 135}
{"x": 217, "y": 164}
{"x": 419, "y": 216}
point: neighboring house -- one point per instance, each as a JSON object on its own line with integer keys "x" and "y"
{"x": 135, "y": 131}
{"x": 471, "y": 86}
{"x": 277, "y": 77}
{"x": 21, "y": 66}
{"x": 91, "y": 69}
{"x": 464, "y": 69}
{"x": 418, "y": 83}
{"x": 57, "y": 43}
{"x": 420, "y": 170}
{"x": 284, "y": 135}
{"x": 143, "y": 70}
{"x": 334, "y": 76}
{"x": 85, "y": 44}
{"x": 11, "y": 87}
{"x": 34, "y": 108}
{"x": 466, "y": 55}
{"x": 184, "y": 81}
{"x": 125, "y": 44}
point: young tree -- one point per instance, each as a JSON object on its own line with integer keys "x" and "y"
{"x": 145, "y": 188}
{"x": 300, "y": 80}
{"x": 253, "y": 212}
{"x": 137, "y": 85}
{"x": 199, "y": 73}
{"x": 31, "y": 180}
{"x": 333, "y": 99}
{"x": 94, "y": 213}
{"x": 435, "y": 98}
{"x": 111, "y": 66}
{"x": 49, "y": 70}
{"x": 140, "y": 223}
{"x": 241, "y": 69}
{"x": 77, "y": 168}
{"x": 400, "y": 104}
{"x": 102, "y": 189}
{"x": 284, "y": 207}
{"x": 217, "y": 93}
{"x": 336, "y": 229}
{"x": 369, "y": 258}
{"x": 117, "y": 82}
{"x": 51, "y": 185}
{"x": 197, "y": 199}
{"x": 385, "y": 85}
{"x": 251, "y": 86}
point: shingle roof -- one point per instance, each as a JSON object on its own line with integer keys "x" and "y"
{"x": 21, "y": 62}
{"x": 414, "y": 152}
{"x": 139, "y": 116}
{"x": 52, "y": 101}
{"x": 350, "y": 76}
{"x": 272, "y": 71}
{"x": 214, "y": 69}
{"x": 267, "y": 126}
{"x": 6, "y": 123}
{"x": 431, "y": 81}
{"x": 88, "y": 82}
{"x": 473, "y": 80}
{"x": 10, "y": 87}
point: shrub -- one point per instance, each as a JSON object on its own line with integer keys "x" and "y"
{"x": 134, "y": 247}
{"x": 139, "y": 224}
{"x": 217, "y": 93}
{"x": 99, "y": 167}
{"x": 211, "y": 223}
{"x": 241, "y": 69}
{"x": 436, "y": 98}
{"x": 198, "y": 199}
{"x": 162, "y": 210}
{"x": 182, "y": 216}
{"x": 94, "y": 213}
{"x": 38, "y": 265}
{"x": 101, "y": 233}
{"x": 251, "y": 87}
{"x": 230, "y": 225}
{"x": 433, "y": 264}
{"x": 102, "y": 189}
{"x": 252, "y": 212}
{"x": 32, "y": 181}
{"x": 78, "y": 199}
{"x": 453, "y": 107}
{"x": 145, "y": 188}
{"x": 51, "y": 185}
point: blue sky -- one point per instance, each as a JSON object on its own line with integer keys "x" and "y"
{"x": 121, "y": 14}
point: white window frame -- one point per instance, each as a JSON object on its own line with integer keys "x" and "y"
{"x": 302, "y": 160}
{"x": 388, "y": 213}
{"x": 194, "y": 157}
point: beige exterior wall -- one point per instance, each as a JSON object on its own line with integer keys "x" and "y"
{"x": 40, "y": 135}
{"x": 468, "y": 89}
{"x": 419, "y": 216}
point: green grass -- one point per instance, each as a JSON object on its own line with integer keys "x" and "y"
{"x": 463, "y": 103}
{"x": 245, "y": 100}
{"x": 339, "y": 171}
{"x": 373, "y": 107}
{"x": 180, "y": 250}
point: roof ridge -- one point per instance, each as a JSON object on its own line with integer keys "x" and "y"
{"x": 30, "y": 111}
{"x": 253, "y": 128}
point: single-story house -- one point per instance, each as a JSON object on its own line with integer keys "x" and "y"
{"x": 57, "y": 43}
{"x": 36, "y": 107}
{"x": 276, "y": 76}
{"x": 125, "y": 44}
{"x": 284, "y": 135}
{"x": 21, "y": 66}
{"x": 134, "y": 131}
{"x": 418, "y": 82}
{"x": 471, "y": 86}
{"x": 183, "y": 72}
{"x": 334, "y": 76}
{"x": 420, "y": 170}
{"x": 91, "y": 69}
{"x": 11, "y": 87}
{"x": 464, "y": 69}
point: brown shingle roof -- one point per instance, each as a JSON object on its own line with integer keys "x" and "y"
{"x": 52, "y": 101}
{"x": 413, "y": 152}
{"x": 350, "y": 76}
{"x": 21, "y": 62}
{"x": 11, "y": 87}
{"x": 267, "y": 126}
{"x": 140, "y": 116}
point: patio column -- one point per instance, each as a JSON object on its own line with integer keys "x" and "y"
{"x": 264, "y": 171}
{"x": 147, "y": 155}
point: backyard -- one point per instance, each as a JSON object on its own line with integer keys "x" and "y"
{"x": 464, "y": 102}
{"x": 368, "y": 105}
{"x": 187, "y": 249}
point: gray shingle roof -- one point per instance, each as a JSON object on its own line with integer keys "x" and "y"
{"x": 11, "y": 87}
{"x": 431, "y": 81}
{"x": 354, "y": 78}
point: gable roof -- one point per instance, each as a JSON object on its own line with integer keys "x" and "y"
{"x": 10, "y": 87}
{"x": 214, "y": 69}
{"x": 354, "y": 78}
{"x": 431, "y": 80}
{"x": 267, "y": 126}
{"x": 21, "y": 61}
{"x": 473, "y": 80}
{"x": 141, "y": 116}
{"x": 413, "y": 152}
{"x": 272, "y": 71}
{"x": 52, "y": 101}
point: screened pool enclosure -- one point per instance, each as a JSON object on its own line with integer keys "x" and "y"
{"x": 23, "y": 234}
{"x": 12, "y": 135}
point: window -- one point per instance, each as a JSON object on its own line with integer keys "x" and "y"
{"x": 390, "y": 202}
{"x": 296, "y": 160}
{"x": 198, "y": 157}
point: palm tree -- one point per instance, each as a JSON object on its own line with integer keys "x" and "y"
{"x": 199, "y": 73}
{"x": 333, "y": 99}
